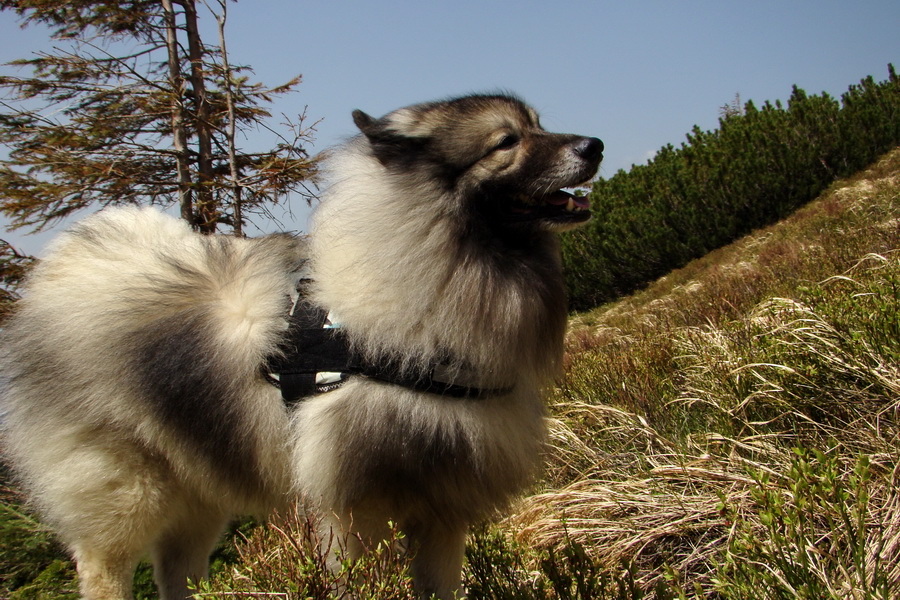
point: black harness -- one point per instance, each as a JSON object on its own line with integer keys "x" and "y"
{"x": 311, "y": 347}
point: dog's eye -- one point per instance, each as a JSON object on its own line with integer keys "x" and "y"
{"x": 508, "y": 141}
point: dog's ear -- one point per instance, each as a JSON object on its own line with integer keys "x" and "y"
{"x": 403, "y": 123}
{"x": 388, "y": 143}
{"x": 365, "y": 123}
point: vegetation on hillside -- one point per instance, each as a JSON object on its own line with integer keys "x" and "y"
{"x": 759, "y": 166}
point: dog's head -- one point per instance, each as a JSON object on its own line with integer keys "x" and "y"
{"x": 492, "y": 153}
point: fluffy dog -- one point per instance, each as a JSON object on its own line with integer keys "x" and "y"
{"x": 139, "y": 416}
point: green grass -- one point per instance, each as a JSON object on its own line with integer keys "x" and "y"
{"x": 729, "y": 432}
{"x": 32, "y": 565}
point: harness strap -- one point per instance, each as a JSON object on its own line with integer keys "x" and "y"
{"x": 310, "y": 348}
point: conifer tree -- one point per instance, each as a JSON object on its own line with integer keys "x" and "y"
{"x": 133, "y": 107}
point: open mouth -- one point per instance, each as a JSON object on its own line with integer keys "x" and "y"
{"x": 559, "y": 207}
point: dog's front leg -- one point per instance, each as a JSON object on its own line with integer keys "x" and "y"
{"x": 182, "y": 552}
{"x": 438, "y": 553}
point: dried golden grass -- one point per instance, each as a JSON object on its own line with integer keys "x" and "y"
{"x": 643, "y": 501}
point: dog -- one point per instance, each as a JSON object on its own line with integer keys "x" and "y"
{"x": 139, "y": 414}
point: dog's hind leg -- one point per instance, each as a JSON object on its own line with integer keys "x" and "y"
{"x": 182, "y": 552}
{"x": 438, "y": 554}
{"x": 106, "y": 501}
{"x": 105, "y": 575}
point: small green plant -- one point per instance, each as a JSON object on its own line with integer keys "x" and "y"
{"x": 497, "y": 569}
{"x": 573, "y": 575}
{"x": 813, "y": 537}
{"x": 32, "y": 564}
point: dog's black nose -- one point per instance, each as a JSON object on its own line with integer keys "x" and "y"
{"x": 589, "y": 148}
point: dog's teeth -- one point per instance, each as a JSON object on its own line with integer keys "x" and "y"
{"x": 570, "y": 205}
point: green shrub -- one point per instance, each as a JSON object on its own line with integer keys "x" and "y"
{"x": 284, "y": 556}
{"x": 496, "y": 570}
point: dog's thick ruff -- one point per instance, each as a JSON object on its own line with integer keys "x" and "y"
{"x": 139, "y": 419}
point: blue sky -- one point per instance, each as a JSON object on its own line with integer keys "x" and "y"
{"x": 637, "y": 74}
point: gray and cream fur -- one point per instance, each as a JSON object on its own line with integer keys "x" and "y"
{"x": 137, "y": 415}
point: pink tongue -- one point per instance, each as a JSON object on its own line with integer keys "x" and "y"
{"x": 559, "y": 198}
